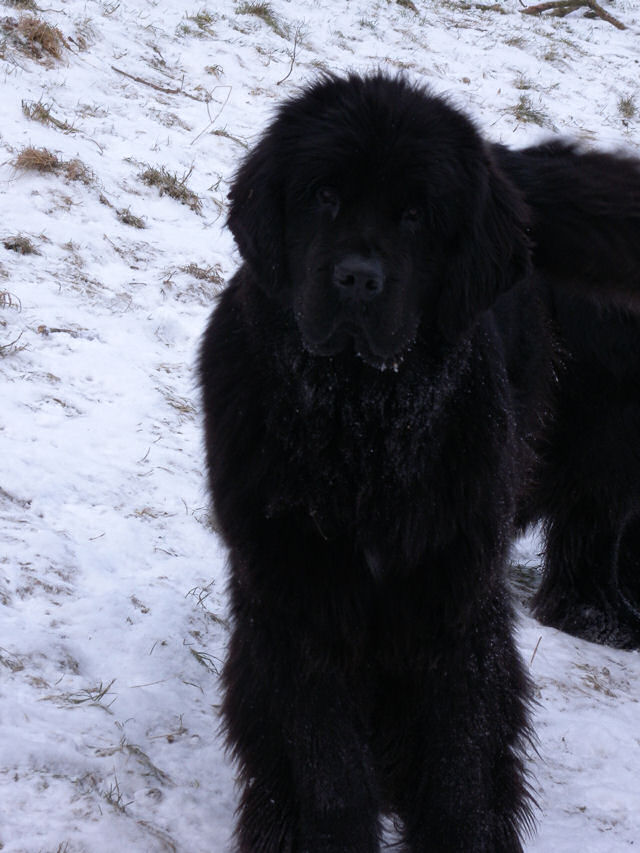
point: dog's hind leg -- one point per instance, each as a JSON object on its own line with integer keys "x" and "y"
{"x": 628, "y": 570}
{"x": 591, "y": 581}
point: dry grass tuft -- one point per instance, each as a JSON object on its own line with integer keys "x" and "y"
{"x": 42, "y": 36}
{"x": 34, "y": 37}
{"x": 8, "y": 300}
{"x": 627, "y": 106}
{"x": 37, "y": 160}
{"x": 41, "y": 112}
{"x": 20, "y": 244}
{"x": 85, "y": 34}
{"x": 127, "y": 218}
{"x": 206, "y": 282}
{"x": 169, "y": 184}
{"x": 27, "y": 5}
{"x": 223, "y": 132}
{"x": 212, "y": 274}
{"x": 32, "y": 159}
{"x": 75, "y": 170}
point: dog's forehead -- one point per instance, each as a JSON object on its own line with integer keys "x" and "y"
{"x": 393, "y": 134}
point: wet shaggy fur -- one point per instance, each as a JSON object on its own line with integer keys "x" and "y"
{"x": 407, "y": 365}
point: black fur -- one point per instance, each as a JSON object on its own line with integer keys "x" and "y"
{"x": 586, "y": 209}
{"x": 377, "y": 380}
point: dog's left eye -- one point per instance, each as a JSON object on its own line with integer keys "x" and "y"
{"x": 329, "y": 198}
{"x": 411, "y": 216}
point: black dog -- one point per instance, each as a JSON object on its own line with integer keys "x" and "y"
{"x": 586, "y": 210}
{"x": 378, "y": 381}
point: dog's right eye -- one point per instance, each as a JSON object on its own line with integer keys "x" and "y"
{"x": 411, "y": 218}
{"x": 328, "y": 197}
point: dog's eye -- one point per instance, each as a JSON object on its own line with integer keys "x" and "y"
{"x": 328, "y": 197}
{"x": 411, "y": 216}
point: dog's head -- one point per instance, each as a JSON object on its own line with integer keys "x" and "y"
{"x": 372, "y": 210}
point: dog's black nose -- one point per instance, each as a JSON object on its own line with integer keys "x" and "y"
{"x": 359, "y": 278}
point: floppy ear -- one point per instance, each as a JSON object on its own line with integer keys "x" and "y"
{"x": 256, "y": 213}
{"x": 490, "y": 254}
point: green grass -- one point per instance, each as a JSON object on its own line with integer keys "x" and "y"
{"x": 627, "y": 107}
{"x": 522, "y": 83}
{"x": 202, "y": 19}
{"x": 525, "y": 112}
{"x": 265, "y": 12}
{"x": 198, "y": 24}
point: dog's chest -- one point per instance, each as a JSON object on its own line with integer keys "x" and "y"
{"x": 356, "y": 443}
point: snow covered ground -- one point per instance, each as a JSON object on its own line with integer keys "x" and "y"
{"x": 111, "y": 582}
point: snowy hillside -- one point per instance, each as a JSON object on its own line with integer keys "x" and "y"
{"x": 122, "y": 124}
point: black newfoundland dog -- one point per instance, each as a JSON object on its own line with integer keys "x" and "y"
{"x": 431, "y": 342}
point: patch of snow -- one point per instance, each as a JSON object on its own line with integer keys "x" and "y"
{"x": 111, "y": 580}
